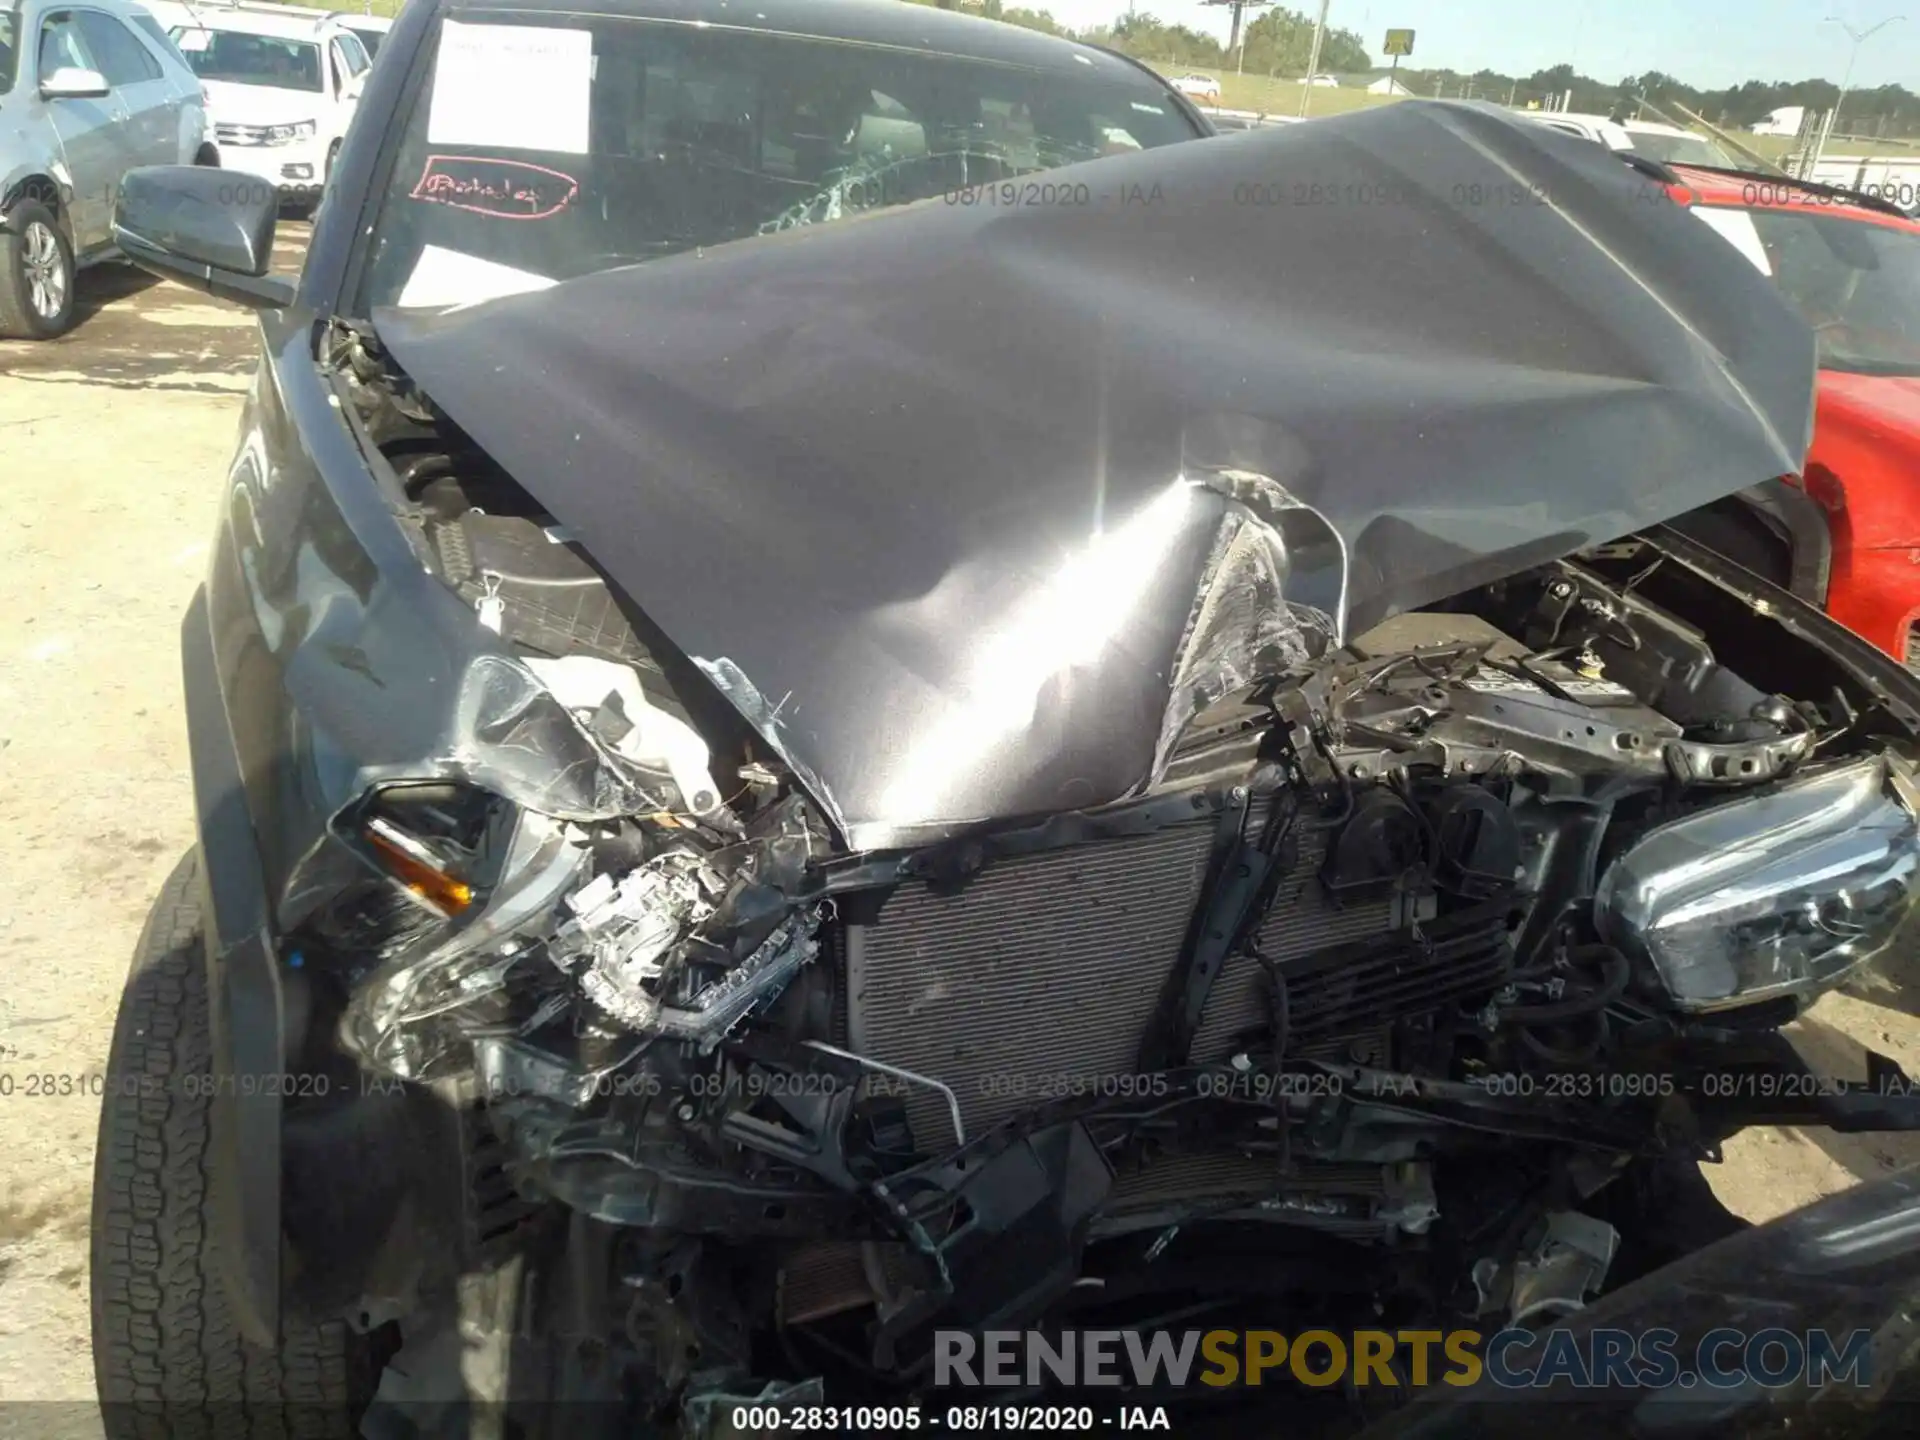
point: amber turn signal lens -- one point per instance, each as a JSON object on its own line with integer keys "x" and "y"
{"x": 417, "y": 868}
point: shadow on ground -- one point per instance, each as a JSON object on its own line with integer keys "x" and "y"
{"x": 133, "y": 331}
{"x": 1891, "y": 982}
{"x": 1831, "y": 1052}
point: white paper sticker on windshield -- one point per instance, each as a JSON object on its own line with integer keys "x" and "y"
{"x": 519, "y": 87}
{"x": 1740, "y": 232}
{"x": 453, "y": 278}
{"x": 192, "y": 42}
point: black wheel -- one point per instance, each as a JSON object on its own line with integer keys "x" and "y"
{"x": 167, "y": 1358}
{"x": 36, "y": 275}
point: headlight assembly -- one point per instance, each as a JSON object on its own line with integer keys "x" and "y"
{"x": 1779, "y": 892}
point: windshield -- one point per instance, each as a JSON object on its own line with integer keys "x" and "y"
{"x": 242, "y": 59}
{"x": 9, "y": 30}
{"x": 1680, "y": 149}
{"x": 623, "y": 140}
{"x": 1856, "y": 282}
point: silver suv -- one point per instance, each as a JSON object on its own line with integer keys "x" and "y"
{"x": 88, "y": 91}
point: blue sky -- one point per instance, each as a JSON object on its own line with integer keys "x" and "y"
{"x": 1708, "y": 43}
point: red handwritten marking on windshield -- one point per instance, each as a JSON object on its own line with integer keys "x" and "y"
{"x": 503, "y": 189}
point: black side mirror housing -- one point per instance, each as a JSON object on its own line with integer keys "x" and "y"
{"x": 211, "y": 229}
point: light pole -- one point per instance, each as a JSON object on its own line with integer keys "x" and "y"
{"x": 1313, "y": 59}
{"x": 1858, "y": 37}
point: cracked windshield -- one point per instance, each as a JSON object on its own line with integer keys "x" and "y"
{"x": 694, "y": 137}
{"x": 691, "y": 137}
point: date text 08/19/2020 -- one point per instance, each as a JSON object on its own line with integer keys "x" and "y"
{"x": 950, "y": 1420}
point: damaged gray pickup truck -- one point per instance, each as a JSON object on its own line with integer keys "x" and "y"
{"x": 844, "y": 695}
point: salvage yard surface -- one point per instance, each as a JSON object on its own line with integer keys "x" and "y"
{"x": 113, "y": 445}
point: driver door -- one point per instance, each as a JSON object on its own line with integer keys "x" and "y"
{"x": 95, "y": 135}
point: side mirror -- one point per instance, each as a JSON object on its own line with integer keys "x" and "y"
{"x": 70, "y": 82}
{"x": 212, "y": 229}
{"x": 356, "y": 87}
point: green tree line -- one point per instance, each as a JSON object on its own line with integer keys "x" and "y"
{"x": 1280, "y": 41}
{"x": 1884, "y": 110}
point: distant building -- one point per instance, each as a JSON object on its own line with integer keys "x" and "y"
{"x": 1784, "y": 121}
{"x": 1374, "y": 82}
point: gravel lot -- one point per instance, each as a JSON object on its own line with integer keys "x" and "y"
{"x": 112, "y": 446}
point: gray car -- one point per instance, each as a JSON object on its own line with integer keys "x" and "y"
{"x": 87, "y": 92}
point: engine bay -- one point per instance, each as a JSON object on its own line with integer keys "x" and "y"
{"x": 1392, "y": 991}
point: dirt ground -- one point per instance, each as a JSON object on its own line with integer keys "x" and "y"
{"x": 113, "y": 443}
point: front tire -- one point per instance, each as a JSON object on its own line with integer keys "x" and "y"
{"x": 167, "y": 1358}
{"x": 36, "y": 275}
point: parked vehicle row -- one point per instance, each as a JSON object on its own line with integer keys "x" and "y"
{"x": 91, "y": 90}
{"x": 282, "y": 88}
{"x": 88, "y": 91}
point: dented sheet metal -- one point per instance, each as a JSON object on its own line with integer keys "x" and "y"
{"x": 936, "y": 489}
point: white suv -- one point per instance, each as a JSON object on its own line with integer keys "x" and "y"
{"x": 281, "y": 88}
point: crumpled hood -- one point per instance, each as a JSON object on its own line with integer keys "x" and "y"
{"x": 959, "y": 503}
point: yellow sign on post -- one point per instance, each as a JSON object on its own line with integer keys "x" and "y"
{"x": 1399, "y": 42}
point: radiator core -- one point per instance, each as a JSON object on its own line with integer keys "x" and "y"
{"x": 1040, "y": 976}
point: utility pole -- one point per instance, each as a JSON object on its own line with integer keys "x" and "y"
{"x": 1511, "y": 91}
{"x": 1846, "y": 79}
{"x": 1313, "y": 59}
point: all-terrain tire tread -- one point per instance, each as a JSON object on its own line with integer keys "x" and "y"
{"x": 168, "y": 1358}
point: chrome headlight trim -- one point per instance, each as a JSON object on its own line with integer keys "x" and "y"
{"x": 1777, "y": 892}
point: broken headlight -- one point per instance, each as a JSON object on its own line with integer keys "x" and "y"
{"x": 663, "y": 929}
{"x": 439, "y": 842}
{"x": 1780, "y": 892}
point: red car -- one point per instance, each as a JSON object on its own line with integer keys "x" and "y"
{"x": 1851, "y": 266}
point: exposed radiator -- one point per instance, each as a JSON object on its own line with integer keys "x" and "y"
{"x": 1044, "y": 966}
{"x": 1042, "y": 973}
